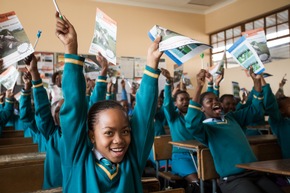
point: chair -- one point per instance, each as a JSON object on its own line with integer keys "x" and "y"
{"x": 176, "y": 190}
{"x": 162, "y": 150}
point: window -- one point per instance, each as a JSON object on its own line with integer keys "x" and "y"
{"x": 276, "y": 26}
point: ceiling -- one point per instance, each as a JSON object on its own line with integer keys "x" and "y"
{"x": 188, "y": 6}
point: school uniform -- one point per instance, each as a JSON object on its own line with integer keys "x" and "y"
{"x": 82, "y": 171}
{"x": 280, "y": 125}
{"x": 228, "y": 144}
{"x": 159, "y": 123}
{"x": 6, "y": 113}
{"x": 257, "y": 121}
{"x": 52, "y": 135}
{"x": 182, "y": 163}
{"x": 99, "y": 92}
{"x": 26, "y": 115}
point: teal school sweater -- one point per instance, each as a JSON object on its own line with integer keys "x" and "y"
{"x": 176, "y": 121}
{"x": 82, "y": 172}
{"x": 52, "y": 135}
{"x": 226, "y": 139}
{"x": 6, "y": 113}
{"x": 280, "y": 125}
{"x": 26, "y": 114}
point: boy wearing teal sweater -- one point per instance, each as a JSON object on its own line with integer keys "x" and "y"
{"x": 121, "y": 148}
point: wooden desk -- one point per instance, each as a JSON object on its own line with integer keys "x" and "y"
{"x": 262, "y": 139}
{"x": 195, "y": 147}
{"x": 260, "y": 128}
{"x": 281, "y": 166}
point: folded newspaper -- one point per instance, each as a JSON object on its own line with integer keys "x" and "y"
{"x": 14, "y": 43}
{"x": 243, "y": 52}
{"x": 176, "y": 46}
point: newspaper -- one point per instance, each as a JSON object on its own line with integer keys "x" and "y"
{"x": 257, "y": 39}
{"x": 246, "y": 56}
{"x": 176, "y": 46}
{"x": 14, "y": 43}
{"x": 104, "y": 40}
{"x": 9, "y": 77}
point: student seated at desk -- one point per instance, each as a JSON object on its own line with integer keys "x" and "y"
{"x": 121, "y": 147}
{"x": 225, "y": 137}
{"x": 174, "y": 109}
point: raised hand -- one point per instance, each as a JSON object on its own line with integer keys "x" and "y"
{"x": 2, "y": 96}
{"x": 219, "y": 78}
{"x": 9, "y": 94}
{"x": 103, "y": 63}
{"x": 200, "y": 77}
{"x": 166, "y": 74}
{"x": 153, "y": 53}
{"x": 31, "y": 66}
{"x": 27, "y": 80}
{"x": 283, "y": 82}
{"x": 66, "y": 34}
{"x": 256, "y": 79}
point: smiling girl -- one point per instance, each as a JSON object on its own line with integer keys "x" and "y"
{"x": 121, "y": 147}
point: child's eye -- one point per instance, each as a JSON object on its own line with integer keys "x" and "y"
{"x": 126, "y": 132}
{"x": 109, "y": 133}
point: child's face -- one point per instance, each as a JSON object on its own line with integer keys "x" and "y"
{"x": 112, "y": 134}
{"x": 211, "y": 106}
{"x": 182, "y": 102}
{"x": 228, "y": 104}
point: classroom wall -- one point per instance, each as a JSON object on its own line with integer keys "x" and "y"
{"x": 133, "y": 25}
{"x": 240, "y": 11}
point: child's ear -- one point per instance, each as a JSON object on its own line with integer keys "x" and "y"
{"x": 91, "y": 136}
{"x": 202, "y": 109}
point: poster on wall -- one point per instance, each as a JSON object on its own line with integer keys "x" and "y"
{"x": 45, "y": 66}
{"x": 126, "y": 66}
{"x": 139, "y": 67}
{"x": 59, "y": 62}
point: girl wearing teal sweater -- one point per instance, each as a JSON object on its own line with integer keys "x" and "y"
{"x": 121, "y": 148}
{"x": 226, "y": 139}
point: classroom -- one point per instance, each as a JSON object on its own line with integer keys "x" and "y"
{"x": 134, "y": 20}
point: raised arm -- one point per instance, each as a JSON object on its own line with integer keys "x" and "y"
{"x": 168, "y": 103}
{"x": 280, "y": 91}
{"x": 74, "y": 109}
{"x": 200, "y": 80}
{"x": 25, "y": 106}
{"x": 145, "y": 108}
{"x": 255, "y": 111}
{"x": 99, "y": 92}
{"x": 43, "y": 117}
{"x": 7, "y": 112}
